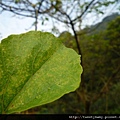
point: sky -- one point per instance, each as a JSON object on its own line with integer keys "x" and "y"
{"x": 11, "y": 24}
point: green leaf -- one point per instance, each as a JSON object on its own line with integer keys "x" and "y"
{"x": 35, "y": 69}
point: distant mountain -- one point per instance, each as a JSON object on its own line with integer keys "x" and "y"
{"x": 94, "y": 29}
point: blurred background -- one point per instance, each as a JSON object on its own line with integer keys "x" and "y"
{"x": 92, "y": 29}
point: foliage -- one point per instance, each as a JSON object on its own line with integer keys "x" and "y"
{"x": 101, "y": 67}
{"x": 101, "y": 76}
{"x": 35, "y": 69}
{"x": 113, "y": 35}
{"x": 101, "y": 70}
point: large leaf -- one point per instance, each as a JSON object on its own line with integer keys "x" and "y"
{"x": 35, "y": 69}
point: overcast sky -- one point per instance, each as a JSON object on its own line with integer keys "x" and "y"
{"x": 10, "y": 24}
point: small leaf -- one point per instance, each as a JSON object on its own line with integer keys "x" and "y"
{"x": 35, "y": 69}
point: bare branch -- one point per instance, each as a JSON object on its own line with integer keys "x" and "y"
{"x": 87, "y": 7}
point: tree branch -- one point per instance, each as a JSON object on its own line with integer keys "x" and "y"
{"x": 87, "y": 7}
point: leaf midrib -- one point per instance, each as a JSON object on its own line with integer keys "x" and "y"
{"x": 32, "y": 76}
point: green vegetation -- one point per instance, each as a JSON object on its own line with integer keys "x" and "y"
{"x": 101, "y": 74}
{"x": 98, "y": 45}
{"x": 35, "y": 69}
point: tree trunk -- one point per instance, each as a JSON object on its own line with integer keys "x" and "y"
{"x": 87, "y": 107}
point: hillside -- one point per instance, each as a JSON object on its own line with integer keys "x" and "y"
{"x": 102, "y": 25}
